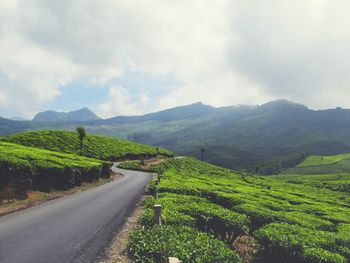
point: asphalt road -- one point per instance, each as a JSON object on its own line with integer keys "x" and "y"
{"x": 74, "y": 228}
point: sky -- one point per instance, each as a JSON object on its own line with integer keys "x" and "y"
{"x": 127, "y": 57}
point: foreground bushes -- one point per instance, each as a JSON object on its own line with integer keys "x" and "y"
{"x": 156, "y": 244}
{"x": 292, "y": 222}
{"x": 23, "y": 168}
{"x": 198, "y": 212}
{"x": 293, "y": 243}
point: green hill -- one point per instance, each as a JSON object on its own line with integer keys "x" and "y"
{"x": 99, "y": 147}
{"x": 284, "y": 222}
{"x": 23, "y": 168}
{"x": 332, "y": 172}
{"x": 315, "y": 160}
{"x": 315, "y": 164}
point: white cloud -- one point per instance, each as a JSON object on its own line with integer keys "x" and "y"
{"x": 221, "y": 52}
{"x": 120, "y": 103}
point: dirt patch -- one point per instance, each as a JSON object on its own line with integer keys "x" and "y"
{"x": 116, "y": 252}
{"x": 247, "y": 247}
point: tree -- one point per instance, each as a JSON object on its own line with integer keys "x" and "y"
{"x": 203, "y": 150}
{"x": 257, "y": 169}
{"x": 82, "y": 134}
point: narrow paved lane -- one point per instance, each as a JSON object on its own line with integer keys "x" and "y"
{"x": 74, "y": 228}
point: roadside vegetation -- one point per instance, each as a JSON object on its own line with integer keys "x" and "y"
{"x": 93, "y": 146}
{"x": 23, "y": 168}
{"x": 283, "y": 222}
{"x": 45, "y": 162}
{"x": 131, "y": 165}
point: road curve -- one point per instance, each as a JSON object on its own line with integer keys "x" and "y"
{"x": 74, "y": 228}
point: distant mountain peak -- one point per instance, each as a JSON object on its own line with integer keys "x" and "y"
{"x": 84, "y": 114}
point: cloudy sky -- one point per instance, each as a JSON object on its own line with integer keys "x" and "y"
{"x": 121, "y": 57}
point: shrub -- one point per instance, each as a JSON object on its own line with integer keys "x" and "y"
{"x": 98, "y": 147}
{"x": 45, "y": 170}
{"x": 156, "y": 244}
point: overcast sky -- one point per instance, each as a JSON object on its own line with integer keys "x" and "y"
{"x": 122, "y": 57}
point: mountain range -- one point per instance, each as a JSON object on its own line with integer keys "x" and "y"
{"x": 83, "y": 114}
{"x": 237, "y": 137}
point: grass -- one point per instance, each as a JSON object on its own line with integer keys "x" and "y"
{"x": 291, "y": 222}
{"x": 98, "y": 147}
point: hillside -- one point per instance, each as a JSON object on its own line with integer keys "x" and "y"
{"x": 331, "y": 172}
{"x": 99, "y": 147}
{"x": 236, "y": 137}
{"x": 11, "y": 126}
{"x": 281, "y": 222}
{"x": 83, "y": 114}
{"x": 23, "y": 168}
{"x": 316, "y": 164}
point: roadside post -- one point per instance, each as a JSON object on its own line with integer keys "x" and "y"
{"x": 156, "y": 191}
{"x": 158, "y": 214}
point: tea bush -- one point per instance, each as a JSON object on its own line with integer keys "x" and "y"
{"x": 156, "y": 244}
{"x": 44, "y": 170}
{"x": 292, "y": 222}
{"x": 98, "y": 147}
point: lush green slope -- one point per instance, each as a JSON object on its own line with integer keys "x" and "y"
{"x": 99, "y": 147}
{"x": 23, "y": 168}
{"x": 315, "y": 160}
{"x": 291, "y": 222}
{"x": 332, "y": 172}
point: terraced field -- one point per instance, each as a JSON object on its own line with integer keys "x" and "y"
{"x": 211, "y": 214}
{"x": 315, "y": 160}
{"x": 331, "y": 172}
{"x": 99, "y": 147}
{"x": 23, "y": 168}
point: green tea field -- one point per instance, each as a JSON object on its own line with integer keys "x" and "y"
{"x": 23, "y": 168}
{"x": 331, "y": 172}
{"x": 99, "y": 147}
{"x": 212, "y": 214}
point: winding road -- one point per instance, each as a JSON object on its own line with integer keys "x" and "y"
{"x": 74, "y": 228}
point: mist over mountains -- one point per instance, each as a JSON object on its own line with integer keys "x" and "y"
{"x": 236, "y": 136}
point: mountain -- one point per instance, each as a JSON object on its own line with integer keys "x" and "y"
{"x": 17, "y": 118}
{"x": 178, "y": 113}
{"x": 10, "y": 126}
{"x": 83, "y": 114}
{"x": 237, "y": 137}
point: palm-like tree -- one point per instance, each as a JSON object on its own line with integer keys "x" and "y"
{"x": 82, "y": 134}
{"x": 203, "y": 150}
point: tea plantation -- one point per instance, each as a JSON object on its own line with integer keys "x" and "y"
{"x": 205, "y": 209}
{"x": 23, "y": 168}
{"x": 331, "y": 172}
{"x": 99, "y": 147}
